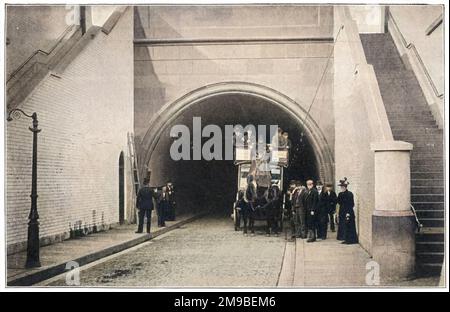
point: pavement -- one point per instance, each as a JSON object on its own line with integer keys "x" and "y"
{"x": 330, "y": 264}
{"x": 92, "y": 247}
{"x": 324, "y": 263}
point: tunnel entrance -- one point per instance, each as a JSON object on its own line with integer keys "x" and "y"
{"x": 212, "y": 185}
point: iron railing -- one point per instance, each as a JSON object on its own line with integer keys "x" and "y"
{"x": 419, "y": 225}
{"x": 412, "y": 47}
{"x": 41, "y": 52}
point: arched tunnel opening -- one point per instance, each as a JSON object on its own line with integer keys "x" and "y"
{"x": 202, "y": 185}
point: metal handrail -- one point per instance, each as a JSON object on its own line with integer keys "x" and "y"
{"x": 411, "y": 46}
{"x": 39, "y": 51}
{"x": 419, "y": 225}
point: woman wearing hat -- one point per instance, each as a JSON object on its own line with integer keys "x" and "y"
{"x": 347, "y": 227}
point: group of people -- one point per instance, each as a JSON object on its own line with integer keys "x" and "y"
{"x": 149, "y": 197}
{"x": 313, "y": 207}
{"x": 308, "y": 210}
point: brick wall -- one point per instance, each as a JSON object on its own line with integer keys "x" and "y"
{"x": 85, "y": 115}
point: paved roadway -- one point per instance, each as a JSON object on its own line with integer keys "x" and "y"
{"x": 207, "y": 252}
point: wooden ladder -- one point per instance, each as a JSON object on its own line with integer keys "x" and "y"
{"x": 133, "y": 162}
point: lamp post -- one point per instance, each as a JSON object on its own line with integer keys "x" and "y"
{"x": 33, "y": 224}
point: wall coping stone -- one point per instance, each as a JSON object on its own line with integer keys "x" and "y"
{"x": 390, "y": 146}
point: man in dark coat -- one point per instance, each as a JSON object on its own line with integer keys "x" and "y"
{"x": 331, "y": 200}
{"x": 171, "y": 202}
{"x": 322, "y": 213}
{"x": 144, "y": 202}
{"x": 299, "y": 212}
{"x": 163, "y": 206}
{"x": 347, "y": 226}
{"x": 311, "y": 202}
{"x": 272, "y": 207}
{"x": 250, "y": 197}
{"x": 288, "y": 220}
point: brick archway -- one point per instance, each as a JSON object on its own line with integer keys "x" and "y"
{"x": 169, "y": 112}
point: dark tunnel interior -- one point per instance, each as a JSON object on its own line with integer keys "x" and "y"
{"x": 212, "y": 185}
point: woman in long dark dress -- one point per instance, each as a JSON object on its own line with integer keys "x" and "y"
{"x": 347, "y": 226}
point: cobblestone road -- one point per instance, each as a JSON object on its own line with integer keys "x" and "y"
{"x": 207, "y": 252}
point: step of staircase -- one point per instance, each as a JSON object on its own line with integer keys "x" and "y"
{"x": 429, "y": 213}
{"x": 432, "y": 167}
{"x": 427, "y": 174}
{"x": 436, "y": 138}
{"x": 416, "y": 161}
{"x": 408, "y": 113}
{"x": 427, "y": 182}
{"x": 430, "y": 257}
{"x": 424, "y": 269}
{"x": 432, "y": 222}
{"x": 413, "y": 131}
{"x": 427, "y": 198}
{"x": 430, "y": 247}
{"x": 416, "y": 190}
{"x": 411, "y": 122}
{"x": 430, "y": 156}
{"x": 428, "y": 205}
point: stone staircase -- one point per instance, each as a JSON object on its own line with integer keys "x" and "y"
{"x": 411, "y": 121}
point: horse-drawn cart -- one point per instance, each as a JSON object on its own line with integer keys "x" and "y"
{"x": 267, "y": 171}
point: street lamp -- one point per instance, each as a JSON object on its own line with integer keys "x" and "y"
{"x": 33, "y": 225}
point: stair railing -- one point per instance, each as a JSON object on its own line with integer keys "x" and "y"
{"x": 419, "y": 225}
{"x": 41, "y": 52}
{"x": 412, "y": 47}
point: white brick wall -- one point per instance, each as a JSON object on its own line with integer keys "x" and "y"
{"x": 84, "y": 116}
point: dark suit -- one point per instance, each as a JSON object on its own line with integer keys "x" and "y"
{"x": 250, "y": 198}
{"x": 144, "y": 202}
{"x": 171, "y": 204}
{"x": 331, "y": 201}
{"x": 272, "y": 209}
{"x": 162, "y": 207}
{"x": 299, "y": 215}
{"x": 326, "y": 204}
{"x": 311, "y": 203}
